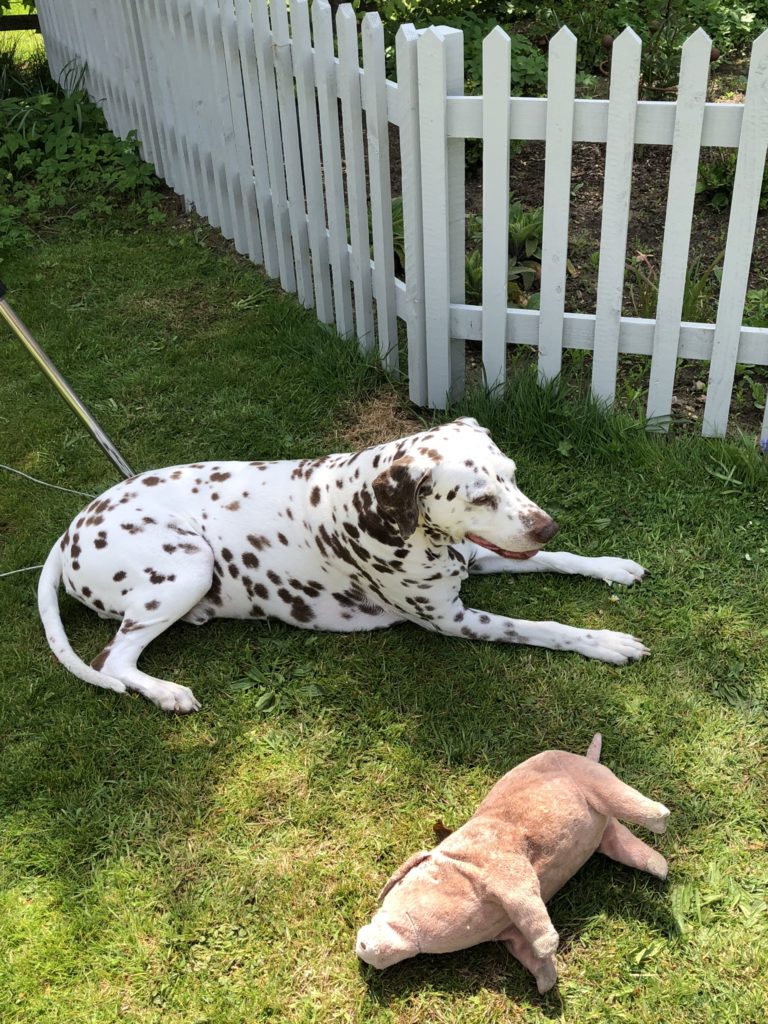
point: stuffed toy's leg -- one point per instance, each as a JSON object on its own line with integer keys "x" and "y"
{"x": 543, "y": 968}
{"x": 621, "y": 845}
{"x": 612, "y": 797}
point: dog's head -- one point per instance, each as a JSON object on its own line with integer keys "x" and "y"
{"x": 455, "y": 480}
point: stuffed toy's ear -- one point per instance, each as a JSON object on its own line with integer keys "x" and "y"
{"x": 403, "y": 870}
{"x": 397, "y": 491}
{"x": 441, "y": 831}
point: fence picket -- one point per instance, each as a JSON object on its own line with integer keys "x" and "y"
{"x": 747, "y": 184}
{"x": 202, "y": 120}
{"x": 377, "y": 128}
{"x": 354, "y": 158}
{"x": 304, "y": 69}
{"x": 561, "y": 87}
{"x": 242, "y": 151}
{"x": 619, "y": 151}
{"x": 406, "y": 44}
{"x": 257, "y": 136}
{"x": 221, "y": 111}
{"x": 327, "y": 91}
{"x": 437, "y": 49}
{"x": 497, "y": 67}
{"x": 689, "y": 120}
{"x": 274, "y": 145}
{"x": 297, "y": 214}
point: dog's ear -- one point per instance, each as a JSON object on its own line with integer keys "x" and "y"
{"x": 402, "y": 871}
{"x": 397, "y": 491}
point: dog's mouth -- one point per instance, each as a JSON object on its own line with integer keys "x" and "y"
{"x": 500, "y": 551}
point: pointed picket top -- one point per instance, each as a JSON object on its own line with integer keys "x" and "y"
{"x": 697, "y": 40}
{"x": 496, "y": 40}
{"x": 562, "y": 40}
{"x": 627, "y": 40}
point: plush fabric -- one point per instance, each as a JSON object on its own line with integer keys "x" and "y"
{"x": 492, "y": 877}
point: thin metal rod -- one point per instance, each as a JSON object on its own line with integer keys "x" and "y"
{"x": 61, "y": 385}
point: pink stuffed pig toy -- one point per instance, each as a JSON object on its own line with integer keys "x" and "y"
{"x": 492, "y": 877}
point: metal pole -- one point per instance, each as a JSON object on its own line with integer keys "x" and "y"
{"x": 61, "y": 385}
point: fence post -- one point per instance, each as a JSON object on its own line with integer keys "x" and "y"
{"x": 406, "y": 47}
{"x": 561, "y": 89}
{"x": 441, "y": 74}
{"x": 747, "y": 184}
{"x": 497, "y": 66}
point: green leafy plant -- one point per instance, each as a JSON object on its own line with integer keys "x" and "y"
{"x": 57, "y": 156}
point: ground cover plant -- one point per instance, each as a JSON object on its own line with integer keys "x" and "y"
{"x": 215, "y": 869}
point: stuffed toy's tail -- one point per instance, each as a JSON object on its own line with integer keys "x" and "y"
{"x": 593, "y": 751}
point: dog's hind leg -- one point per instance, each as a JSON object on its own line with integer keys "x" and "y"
{"x": 151, "y": 609}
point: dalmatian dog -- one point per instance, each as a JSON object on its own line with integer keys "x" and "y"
{"x": 345, "y": 542}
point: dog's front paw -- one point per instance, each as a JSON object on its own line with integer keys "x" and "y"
{"x": 613, "y": 648}
{"x": 175, "y": 699}
{"x": 618, "y": 570}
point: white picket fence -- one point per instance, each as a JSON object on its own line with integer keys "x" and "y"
{"x": 279, "y": 136}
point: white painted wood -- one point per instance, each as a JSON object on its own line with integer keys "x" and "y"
{"x": 289, "y": 125}
{"x": 561, "y": 86}
{"x": 179, "y": 103}
{"x": 750, "y": 166}
{"x": 304, "y": 70}
{"x": 211, "y": 111}
{"x": 327, "y": 91}
{"x": 497, "y": 66}
{"x": 406, "y": 43}
{"x": 109, "y": 44}
{"x": 156, "y": 31}
{"x": 437, "y": 49}
{"x": 354, "y": 159}
{"x": 256, "y": 136}
{"x": 619, "y": 153}
{"x": 50, "y": 37}
{"x": 221, "y": 110}
{"x": 242, "y": 149}
{"x": 764, "y": 432}
{"x": 692, "y": 94}
{"x": 655, "y": 123}
{"x": 377, "y": 129}
{"x": 454, "y": 80}
{"x": 635, "y": 338}
{"x": 147, "y": 132}
{"x": 204, "y": 121}
{"x": 274, "y": 144}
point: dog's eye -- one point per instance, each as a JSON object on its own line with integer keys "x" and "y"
{"x": 484, "y": 499}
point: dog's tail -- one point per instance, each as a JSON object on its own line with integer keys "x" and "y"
{"x": 594, "y": 748}
{"x": 48, "y": 606}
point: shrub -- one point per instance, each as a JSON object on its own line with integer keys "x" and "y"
{"x": 58, "y": 157}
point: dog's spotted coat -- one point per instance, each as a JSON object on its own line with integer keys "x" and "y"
{"x": 344, "y": 542}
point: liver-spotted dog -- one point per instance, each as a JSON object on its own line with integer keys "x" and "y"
{"x": 344, "y": 542}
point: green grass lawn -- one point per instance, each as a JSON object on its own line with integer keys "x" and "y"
{"x": 216, "y": 868}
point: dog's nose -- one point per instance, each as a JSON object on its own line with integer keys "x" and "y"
{"x": 544, "y": 528}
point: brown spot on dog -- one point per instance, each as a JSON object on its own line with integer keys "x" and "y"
{"x": 233, "y": 506}
{"x": 119, "y": 576}
{"x": 260, "y": 591}
{"x": 226, "y": 554}
{"x": 259, "y": 542}
{"x": 98, "y": 604}
{"x": 170, "y": 548}
{"x": 152, "y": 605}
{"x": 151, "y": 481}
{"x": 272, "y": 575}
{"x": 101, "y": 540}
{"x": 250, "y": 560}
{"x": 131, "y": 528}
{"x": 314, "y": 496}
{"x": 220, "y": 476}
{"x": 283, "y": 539}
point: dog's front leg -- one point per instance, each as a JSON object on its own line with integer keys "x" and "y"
{"x": 604, "y": 567}
{"x": 602, "y": 644}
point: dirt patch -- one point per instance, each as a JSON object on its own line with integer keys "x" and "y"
{"x": 381, "y": 418}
